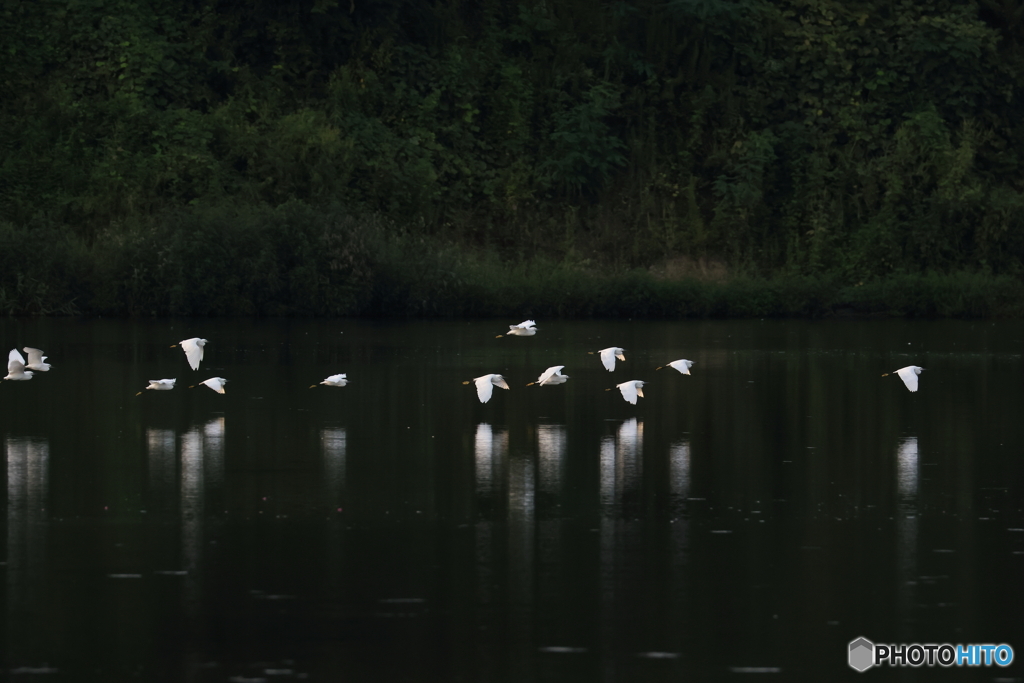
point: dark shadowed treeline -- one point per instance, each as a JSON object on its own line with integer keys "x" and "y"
{"x": 564, "y": 157}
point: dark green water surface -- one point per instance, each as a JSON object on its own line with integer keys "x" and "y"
{"x": 743, "y": 523}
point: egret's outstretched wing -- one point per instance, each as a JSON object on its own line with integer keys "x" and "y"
{"x": 485, "y": 386}
{"x": 527, "y": 328}
{"x": 336, "y": 380}
{"x": 16, "y": 367}
{"x": 36, "y": 360}
{"x": 15, "y": 360}
{"x": 159, "y": 385}
{"x": 909, "y": 376}
{"x": 193, "y": 349}
{"x": 609, "y": 355}
{"x": 631, "y": 390}
{"x": 549, "y": 373}
{"x": 682, "y": 365}
{"x": 216, "y": 383}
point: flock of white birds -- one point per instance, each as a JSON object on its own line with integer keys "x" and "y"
{"x": 20, "y": 369}
{"x": 193, "y": 349}
{"x": 632, "y": 389}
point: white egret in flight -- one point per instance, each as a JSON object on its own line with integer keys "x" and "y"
{"x": 36, "y": 360}
{"x": 630, "y": 390}
{"x": 527, "y": 328}
{"x": 552, "y": 375}
{"x": 908, "y": 375}
{"x": 215, "y": 383}
{"x": 485, "y": 386}
{"x": 609, "y": 355}
{"x": 159, "y": 385}
{"x": 16, "y": 367}
{"x": 682, "y": 365}
{"x": 334, "y": 381}
{"x": 193, "y": 349}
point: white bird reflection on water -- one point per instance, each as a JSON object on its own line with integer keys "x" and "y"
{"x": 551, "y": 457}
{"x": 192, "y": 513}
{"x": 28, "y": 466}
{"x": 620, "y": 475}
{"x": 621, "y": 462}
{"x": 335, "y": 444}
{"x": 679, "y": 481}
{"x": 679, "y": 475}
{"x": 511, "y": 481}
{"x": 202, "y": 467}
{"x": 213, "y": 454}
{"x": 522, "y": 505}
{"x": 186, "y": 485}
{"x": 163, "y": 468}
{"x": 490, "y": 453}
{"x": 907, "y": 478}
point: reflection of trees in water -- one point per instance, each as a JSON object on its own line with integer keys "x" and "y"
{"x": 28, "y": 464}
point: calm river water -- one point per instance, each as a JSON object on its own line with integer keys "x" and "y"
{"x": 743, "y": 523}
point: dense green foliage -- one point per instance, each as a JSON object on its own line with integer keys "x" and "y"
{"x": 397, "y": 156}
{"x": 299, "y": 260}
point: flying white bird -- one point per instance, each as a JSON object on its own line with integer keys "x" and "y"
{"x": 334, "y": 381}
{"x": 159, "y": 385}
{"x": 16, "y": 367}
{"x": 552, "y": 375}
{"x": 682, "y": 365}
{"x": 215, "y": 383}
{"x": 485, "y": 386}
{"x": 609, "y": 355}
{"x": 36, "y": 360}
{"x": 193, "y": 349}
{"x": 527, "y": 328}
{"x": 908, "y": 375}
{"x": 630, "y": 390}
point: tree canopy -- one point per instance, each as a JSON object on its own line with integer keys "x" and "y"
{"x": 802, "y": 136}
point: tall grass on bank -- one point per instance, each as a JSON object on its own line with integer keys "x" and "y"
{"x": 296, "y": 260}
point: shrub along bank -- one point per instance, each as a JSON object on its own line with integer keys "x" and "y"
{"x": 296, "y": 259}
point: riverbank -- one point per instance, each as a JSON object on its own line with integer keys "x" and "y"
{"x": 295, "y": 260}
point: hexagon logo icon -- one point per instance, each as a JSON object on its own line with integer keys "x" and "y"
{"x": 862, "y": 654}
